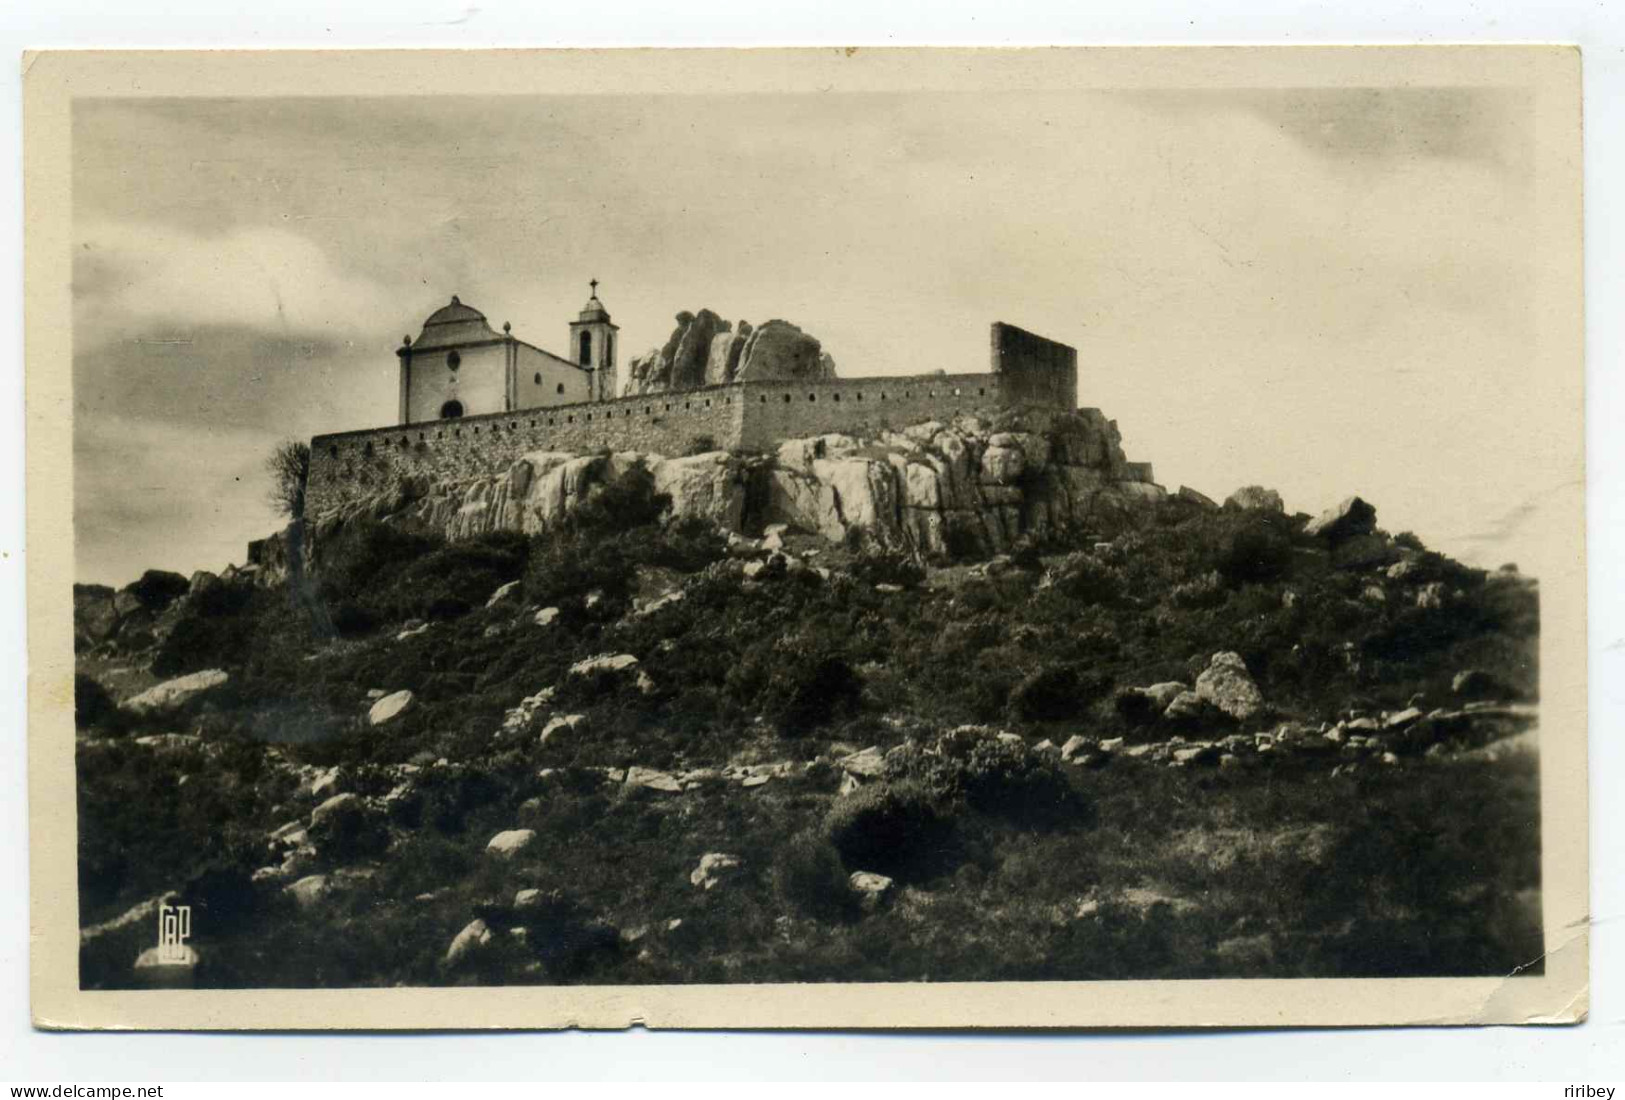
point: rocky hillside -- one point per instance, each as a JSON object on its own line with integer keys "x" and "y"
{"x": 705, "y": 350}
{"x": 616, "y": 732}
{"x": 969, "y": 488}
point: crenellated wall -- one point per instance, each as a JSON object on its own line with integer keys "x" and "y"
{"x": 349, "y": 467}
{"x": 777, "y": 411}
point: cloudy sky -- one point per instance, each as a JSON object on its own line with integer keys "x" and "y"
{"x": 1320, "y": 291}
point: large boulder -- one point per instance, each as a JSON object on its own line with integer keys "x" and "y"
{"x": 336, "y": 804}
{"x": 1343, "y": 520}
{"x": 705, "y": 350}
{"x": 510, "y": 842}
{"x": 682, "y": 362}
{"x": 1227, "y": 685}
{"x": 475, "y": 934}
{"x": 779, "y": 350}
{"x": 714, "y": 868}
{"x": 94, "y": 615}
{"x": 1254, "y": 498}
{"x": 175, "y": 695}
{"x": 156, "y": 589}
{"x": 390, "y": 707}
{"x": 1477, "y": 684}
{"x": 726, "y": 348}
{"x": 1164, "y": 693}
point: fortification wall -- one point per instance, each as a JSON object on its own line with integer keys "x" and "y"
{"x": 1034, "y": 370}
{"x": 776, "y": 411}
{"x": 345, "y": 467}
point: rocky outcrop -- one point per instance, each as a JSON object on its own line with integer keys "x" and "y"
{"x": 140, "y": 613}
{"x": 1228, "y": 686}
{"x": 390, "y": 707}
{"x": 1347, "y": 519}
{"x": 175, "y": 695}
{"x": 968, "y": 487}
{"x": 715, "y": 867}
{"x": 1254, "y": 498}
{"x": 779, "y": 350}
{"x": 705, "y": 350}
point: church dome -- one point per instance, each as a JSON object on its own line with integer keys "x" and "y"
{"x": 594, "y": 310}
{"x": 453, "y": 324}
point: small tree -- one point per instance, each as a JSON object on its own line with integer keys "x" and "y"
{"x": 289, "y": 466}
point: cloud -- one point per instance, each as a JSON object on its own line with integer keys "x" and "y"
{"x": 149, "y": 497}
{"x": 146, "y": 280}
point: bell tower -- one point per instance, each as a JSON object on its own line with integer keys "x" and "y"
{"x": 592, "y": 345}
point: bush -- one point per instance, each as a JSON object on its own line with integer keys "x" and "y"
{"x": 812, "y": 696}
{"x": 457, "y": 578}
{"x": 628, "y": 502}
{"x": 873, "y": 567}
{"x": 1055, "y": 693}
{"x": 1257, "y": 551}
{"x": 811, "y": 879}
{"x": 363, "y": 553}
{"x": 348, "y": 833}
{"x": 1009, "y": 779}
{"x": 993, "y": 776}
{"x": 894, "y": 828}
{"x": 93, "y": 707}
{"x": 1083, "y": 577}
{"x": 688, "y": 544}
{"x": 700, "y": 444}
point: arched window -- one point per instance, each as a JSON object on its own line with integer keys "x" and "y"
{"x": 454, "y": 360}
{"x": 451, "y": 410}
{"x": 538, "y": 379}
{"x": 586, "y": 349}
{"x": 561, "y": 387}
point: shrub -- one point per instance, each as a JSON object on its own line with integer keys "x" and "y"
{"x": 993, "y": 776}
{"x": 457, "y": 578}
{"x": 689, "y": 544}
{"x": 1257, "y": 551}
{"x": 700, "y": 444}
{"x": 628, "y": 502}
{"x": 1055, "y": 692}
{"x": 363, "y": 553}
{"x": 894, "y": 828}
{"x": 887, "y": 567}
{"x": 1025, "y": 551}
{"x": 566, "y": 566}
{"x": 1135, "y": 707}
{"x": 1083, "y": 577}
{"x": 348, "y": 833}
{"x": 205, "y": 641}
{"x": 1010, "y": 780}
{"x": 93, "y": 707}
{"x": 812, "y": 696}
{"x": 811, "y": 879}
{"x": 561, "y": 934}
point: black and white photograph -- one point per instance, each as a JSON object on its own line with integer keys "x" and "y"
{"x": 1033, "y": 530}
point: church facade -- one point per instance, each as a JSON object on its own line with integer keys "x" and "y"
{"x": 460, "y": 366}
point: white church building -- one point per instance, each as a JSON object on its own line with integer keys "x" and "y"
{"x": 460, "y": 366}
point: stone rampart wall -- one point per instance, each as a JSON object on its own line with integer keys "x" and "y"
{"x": 347, "y": 467}
{"x": 777, "y": 411}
